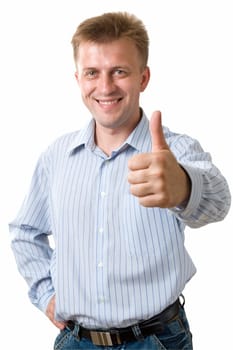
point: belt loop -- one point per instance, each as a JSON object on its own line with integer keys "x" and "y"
{"x": 182, "y": 302}
{"x": 137, "y": 332}
{"x": 76, "y": 331}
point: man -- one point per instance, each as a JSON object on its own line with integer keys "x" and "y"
{"x": 116, "y": 196}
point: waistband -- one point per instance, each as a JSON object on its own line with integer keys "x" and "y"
{"x": 118, "y": 336}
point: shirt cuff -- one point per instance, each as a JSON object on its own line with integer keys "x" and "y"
{"x": 44, "y": 301}
{"x": 41, "y": 302}
{"x": 193, "y": 203}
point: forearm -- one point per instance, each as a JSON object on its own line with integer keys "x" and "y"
{"x": 209, "y": 199}
{"x": 33, "y": 256}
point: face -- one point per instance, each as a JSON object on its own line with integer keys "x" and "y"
{"x": 111, "y": 79}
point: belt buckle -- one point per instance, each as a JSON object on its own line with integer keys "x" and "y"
{"x": 101, "y": 338}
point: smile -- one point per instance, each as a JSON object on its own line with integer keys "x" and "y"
{"x": 108, "y": 102}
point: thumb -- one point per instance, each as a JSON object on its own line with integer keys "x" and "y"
{"x": 156, "y": 131}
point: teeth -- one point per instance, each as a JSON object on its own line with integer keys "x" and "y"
{"x": 107, "y": 102}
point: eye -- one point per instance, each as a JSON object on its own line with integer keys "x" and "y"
{"x": 90, "y": 73}
{"x": 119, "y": 71}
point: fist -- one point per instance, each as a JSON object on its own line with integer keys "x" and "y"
{"x": 156, "y": 178}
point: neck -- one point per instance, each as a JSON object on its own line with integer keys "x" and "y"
{"x": 108, "y": 140}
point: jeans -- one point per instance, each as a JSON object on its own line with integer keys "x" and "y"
{"x": 176, "y": 336}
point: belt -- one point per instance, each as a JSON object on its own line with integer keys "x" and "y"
{"x": 118, "y": 336}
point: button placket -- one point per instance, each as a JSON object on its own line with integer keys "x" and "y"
{"x": 102, "y": 207}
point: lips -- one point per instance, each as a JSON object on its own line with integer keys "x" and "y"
{"x": 108, "y": 102}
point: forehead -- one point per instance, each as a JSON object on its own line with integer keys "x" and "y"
{"x": 118, "y": 52}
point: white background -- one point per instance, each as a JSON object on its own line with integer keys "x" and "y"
{"x": 191, "y": 60}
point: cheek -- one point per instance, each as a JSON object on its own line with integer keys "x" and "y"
{"x": 132, "y": 88}
{"x": 86, "y": 89}
{"x": 135, "y": 91}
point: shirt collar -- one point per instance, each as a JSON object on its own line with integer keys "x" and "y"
{"x": 84, "y": 137}
{"x": 138, "y": 139}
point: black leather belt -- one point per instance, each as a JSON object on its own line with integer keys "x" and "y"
{"x": 118, "y": 336}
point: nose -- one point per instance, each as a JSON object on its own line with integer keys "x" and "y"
{"x": 106, "y": 84}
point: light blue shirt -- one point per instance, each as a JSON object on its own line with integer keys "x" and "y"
{"x": 114, "y": 261}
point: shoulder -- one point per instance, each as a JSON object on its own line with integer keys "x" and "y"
{"x": 63, "y": 142}
{"x": 175, "y": 139}
{"x": 58, "y": 149}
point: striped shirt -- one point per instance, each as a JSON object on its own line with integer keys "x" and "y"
{"x": 114, "y": 262}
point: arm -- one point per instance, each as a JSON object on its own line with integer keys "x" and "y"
{"x": 30, "y": 242}
{"x": 210, "y": 197}
{"x": 177, "y": 174}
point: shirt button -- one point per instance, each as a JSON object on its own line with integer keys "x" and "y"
{"x": 101, "y": 230}
{"x": 103, "y": 194}
{"x": 100, "y": 264}
{"x": 101, "y": 299}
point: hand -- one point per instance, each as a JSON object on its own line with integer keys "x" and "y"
{"x": 156, "y": 178}
{"x": 50, "y": 311}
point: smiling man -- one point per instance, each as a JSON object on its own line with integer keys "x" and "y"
{"x": 117, "y": 196}
{"x": 111, "y": 77}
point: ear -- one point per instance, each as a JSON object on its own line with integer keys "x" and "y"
{"x": 145, "y": 78}
{"x": 76, "y": 77}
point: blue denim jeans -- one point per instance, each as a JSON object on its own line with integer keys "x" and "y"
{"x": 176, "y": 336}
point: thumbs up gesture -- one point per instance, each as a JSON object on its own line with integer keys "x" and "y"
{"x": 156, "y": 178}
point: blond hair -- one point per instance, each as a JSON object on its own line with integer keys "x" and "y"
{"x": 112, "y": 26}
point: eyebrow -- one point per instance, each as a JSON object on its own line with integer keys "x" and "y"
{"x": 110, "y": 68}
